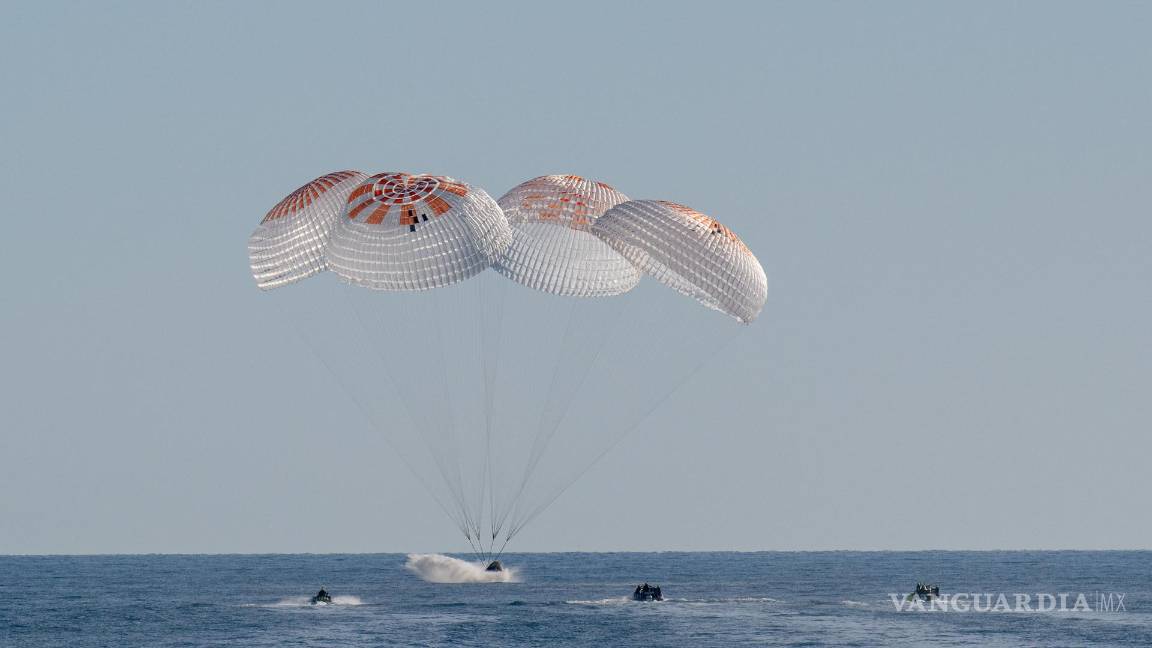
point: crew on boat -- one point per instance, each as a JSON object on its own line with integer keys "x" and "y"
{"x": 647, "y": 592}
{"x": 322, "y": 596}
{"x": 925, "y": 592}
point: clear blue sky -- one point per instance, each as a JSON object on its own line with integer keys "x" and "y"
{"x": 952, "y": 203}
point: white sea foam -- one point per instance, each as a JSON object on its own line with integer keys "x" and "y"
{"x": 437, "y": 568}
{"x": 619, "y": 600}
{"x": 736, "y": 599}
{"x": 306, "y": 601}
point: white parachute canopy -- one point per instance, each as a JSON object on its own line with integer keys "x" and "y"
{"x": 689, "y": 252}
{"x": 499, "y": 394}
{"x": 553, "y": 248}
{"x": 404, "y": 232}
{"x": 289, "y": 243}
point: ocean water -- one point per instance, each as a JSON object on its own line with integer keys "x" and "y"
{"x": 568, "y": 599}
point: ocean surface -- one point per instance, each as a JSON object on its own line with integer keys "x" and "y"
{"x": 570, "y": 599}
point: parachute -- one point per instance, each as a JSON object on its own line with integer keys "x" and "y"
{"x": 441, "y": 231}
{"x": 690, "y": 252}
{"x": 553, "y": 248}
{"x": 290, "y": 242}
{"x": 499, "y": 389}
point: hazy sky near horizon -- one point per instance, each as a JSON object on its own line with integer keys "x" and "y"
{"x": 951, "y": 201}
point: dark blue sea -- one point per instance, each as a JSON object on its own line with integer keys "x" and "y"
{"x": 572, "y": 599}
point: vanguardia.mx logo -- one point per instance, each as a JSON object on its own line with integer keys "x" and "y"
{"x": 1016, "y": 602}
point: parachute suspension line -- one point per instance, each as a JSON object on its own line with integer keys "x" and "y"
{"x": 475, "y": 550}
{"x": 490, "y": 345}
{"x": 451, "y": 423}
{"x": 483, "y": 336}
{"x": 600, "y": 341}
{"x": 459, "y": 301}
{"x": 420, "y": 421}
{"x": 365, "y": 412}
{"x": 550, "y": 398}
{"x": 460, "y": 518}
{"x": 635, "y": 354}
{"x": 648, "y": 412}
{"x": 495, "y": 515}
{"x": 468, "y": 308}
{"x": 457, "y": 310}
{"x": 501, "y": 552}
{"x": 513, "y": 502}
{"x": 443, "y": 302}
{"x": 543, "y": 438}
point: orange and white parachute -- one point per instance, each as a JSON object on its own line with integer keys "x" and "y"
{"x": 402, "y": 232}
{"x": 290, "y": 243}
{"x": 688, "y": 251}
{"x": 561, "y": 234}
{"x": 553, "y": 248}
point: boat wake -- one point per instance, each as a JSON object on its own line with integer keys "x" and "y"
{"x": 622, "y": 600}
{"x": 306, "y": 601}
{"x": 437, "y": 568}
{"x": 616, "y": 600}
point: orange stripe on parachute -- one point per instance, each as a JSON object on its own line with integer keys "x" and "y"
{"x": 456, "y": 188}
{"x": 377, "y": 215}
{"x": 437, "y": 204}
{"x": 306, "y": 195}
{"x": 355, "y": 211}
{"x": 360, "y": 191}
